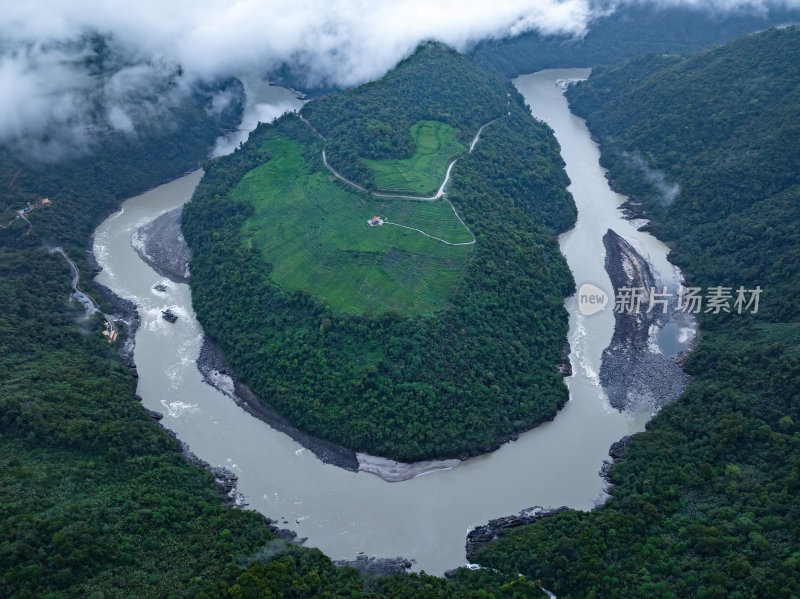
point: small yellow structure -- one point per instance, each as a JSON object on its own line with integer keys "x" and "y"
{"x": 110, "y": 333}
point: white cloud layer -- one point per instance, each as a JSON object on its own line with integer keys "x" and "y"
{"x": 47, "y": 80}
{"x": 346, "y": 41}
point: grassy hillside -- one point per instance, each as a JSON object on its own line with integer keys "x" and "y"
{"x": 381, "y": 338}
{"x": 705, "y": 501}
{"x": 313, "y": 232}
{"x": 434, "y": 147}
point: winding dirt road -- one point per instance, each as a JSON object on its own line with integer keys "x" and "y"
{"x": 440, "y": 194}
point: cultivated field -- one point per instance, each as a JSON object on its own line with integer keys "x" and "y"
{"x": 313, "y": 229}
{"x": 421, "y": 174}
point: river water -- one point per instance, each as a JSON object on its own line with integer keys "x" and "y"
{"x": 344, "y": 513}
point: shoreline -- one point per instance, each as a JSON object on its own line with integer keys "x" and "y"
{"x": 122, "y": 311}
{"x": 126, "y": 312}
{"x": 216, "y": 372}
{"x": 161, "y": 245}
{"x": 628, "y": 360}
{"x": 482, "y": 535}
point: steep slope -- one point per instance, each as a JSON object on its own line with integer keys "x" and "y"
{"x": 708, "y": 145}
{"x": 704, "y": 502}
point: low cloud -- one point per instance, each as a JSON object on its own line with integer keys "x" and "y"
{"x": 71, "y": 68}
{"x": 668, "y": 191}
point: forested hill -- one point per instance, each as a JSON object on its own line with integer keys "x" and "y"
{"x": 628, "y": 31}
{"x": 373, "y": 121}
{"x": 704, "y": 502}
{"x": 385, "y": 339}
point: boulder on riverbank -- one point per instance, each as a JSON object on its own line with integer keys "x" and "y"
{"x": 565, "y": 366}
{"x": 616, "y": 452}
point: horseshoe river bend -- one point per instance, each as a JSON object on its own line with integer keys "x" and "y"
{"x": 425, "y": 518}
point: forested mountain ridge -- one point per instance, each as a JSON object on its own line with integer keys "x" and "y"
{"x": 438, "y": 384}
{"x": 617, "y": 32}
{"x": 79, "y": 518}
{"x": 723, "y": 125}
{"x": 627, "y": 31}
{"x": 704, "y": 502}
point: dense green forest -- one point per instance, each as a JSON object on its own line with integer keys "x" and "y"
{"x": 627, "y": 31}
{"x": 96, "y": 499}
{"x": 418, "y": 386}
{"x": 704, "y": 502}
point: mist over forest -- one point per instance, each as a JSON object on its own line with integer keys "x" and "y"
{"x": 74, "y": 71}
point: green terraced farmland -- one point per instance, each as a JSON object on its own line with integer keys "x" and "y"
{"x": 423, "y": 173}
{"x": 313, "y": 230}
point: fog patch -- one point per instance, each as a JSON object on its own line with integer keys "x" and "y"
{"x": 667, "y": 190}
{"x": 60, "y": 96}
{"x": 270, "y": 550}
{"x": 119, "y": 120}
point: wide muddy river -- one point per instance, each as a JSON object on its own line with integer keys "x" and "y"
{"x": 344, "y": 513}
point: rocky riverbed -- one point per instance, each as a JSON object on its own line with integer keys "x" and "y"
{"x": 634, "y": 371}
{"x": 161, "y": 245}
{"x": 617, "y": 454}
{"x": 480, "y": 536}
{"x": 392, "y": 471}
{"x": 377, "y": 566}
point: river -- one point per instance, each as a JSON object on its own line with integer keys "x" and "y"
{"x": 342, "y": 512}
